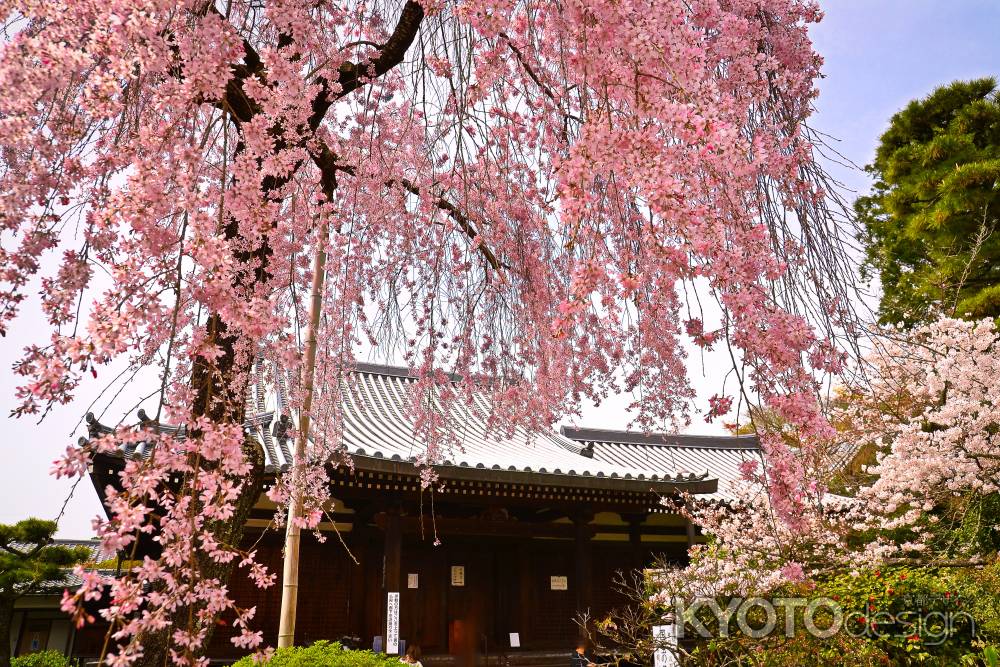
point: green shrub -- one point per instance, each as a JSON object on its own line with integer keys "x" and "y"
{"x": 898, "y": 616}
{"x": 988, "y": 657}
{"x": 322, "y": 654}
{"x": 801, "y": 650}
{"x": 921, "y": 615}
{"x": 43, "y": 659}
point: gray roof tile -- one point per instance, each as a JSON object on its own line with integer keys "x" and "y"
{"x": 378, "y": 428}
{"x": 69, "y": 580}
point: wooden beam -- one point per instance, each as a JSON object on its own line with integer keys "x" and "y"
{"x": 410, "y": 525}
{"x": 556, "y": 484}
{"x": 268, "y": 514}
{"x": 546, "y": 514}
{"x": 517, "y": 500}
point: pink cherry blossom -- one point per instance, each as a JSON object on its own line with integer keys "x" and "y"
{"x": 926, "y": 405}
{"x": 524, "y": 192}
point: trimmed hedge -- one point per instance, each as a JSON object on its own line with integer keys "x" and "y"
{"x": 43, "y": 659}
{"x": 322, "y": 654}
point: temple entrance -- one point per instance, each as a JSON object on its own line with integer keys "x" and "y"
{"x": 484, "y": 590}
{"x": 471, "y": 601}
{"x": 467, "y": 598}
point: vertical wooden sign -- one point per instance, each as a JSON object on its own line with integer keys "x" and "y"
{"x": 392, "y": 624}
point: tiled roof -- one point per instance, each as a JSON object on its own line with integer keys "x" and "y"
{"x": 379, "y": 433}
{"x": 69, "y": 579}
{"x": 378, "y": 427}
{"x": 722, "y": 455}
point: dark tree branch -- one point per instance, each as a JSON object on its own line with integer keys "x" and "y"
{"x": 527, "y": 68}
{"x": 328, "y": 165}
{"x": 352, "y": 76}
{"x": 462, "y": 220}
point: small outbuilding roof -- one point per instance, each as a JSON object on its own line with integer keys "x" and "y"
{"x": 722, "y": 455}
{"x": 97, "y": 560}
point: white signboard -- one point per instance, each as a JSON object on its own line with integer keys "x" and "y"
{"x": 392, "y": 625}
{"x": 413, "y": 580}
{"x": 458, "y": 575}
{"x": 515, "y": 640}
{"x": 664, "y": 638}
{"x": 559, "y": 583}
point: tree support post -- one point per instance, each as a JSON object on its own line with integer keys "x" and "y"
{"x": 290, "y": 571}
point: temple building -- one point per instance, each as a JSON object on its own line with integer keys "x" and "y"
{"x": 38, "y": 624}
{"x": 525, "y": 534}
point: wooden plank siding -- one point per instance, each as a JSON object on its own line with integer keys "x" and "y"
{"x": 507, "y": 582}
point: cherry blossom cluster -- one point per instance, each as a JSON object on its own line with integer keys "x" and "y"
{"x": 927, "y": 408}
{"x": 931, "y": 415}
{"x": 750, "y": 550}
{"x": 513, "y": 192}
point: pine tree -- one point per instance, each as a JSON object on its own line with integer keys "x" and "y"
{"x": 28, "y": 560}
{"x": 930, "y": 225}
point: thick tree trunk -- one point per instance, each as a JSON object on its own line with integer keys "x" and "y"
{"x": 216, "y": 395}
{"x": 156, "y": 647}
{"x": 221, "y": 390}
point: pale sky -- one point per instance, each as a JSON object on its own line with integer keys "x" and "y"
{"x": 879, "y": 55}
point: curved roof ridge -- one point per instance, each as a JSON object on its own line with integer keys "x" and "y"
{"x": 383, "y": 369}
{"x": 660, "y": 439}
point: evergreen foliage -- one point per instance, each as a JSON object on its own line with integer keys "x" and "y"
{"x": 44, "y": 659}
{"x": 930, "y": 223}
{"x": 28, "y": 560}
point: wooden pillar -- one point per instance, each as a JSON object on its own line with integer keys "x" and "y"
{"x": 526, "y": 590}
{"x": 392, "y": 561}
{"x": 360, "y": 539}
{"x": 634, "y": 522}
{"x": 638, "y": 555}
{"x": 393, "y": 549}
{"x": 584, "y": 565}
{"x": 690, "y": 533}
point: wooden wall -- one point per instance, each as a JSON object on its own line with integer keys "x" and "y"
{"x": 507, "y": 589}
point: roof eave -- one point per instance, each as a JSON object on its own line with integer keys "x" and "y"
{"x": 701, "y": 484}
{"x": 695, "y": 485}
